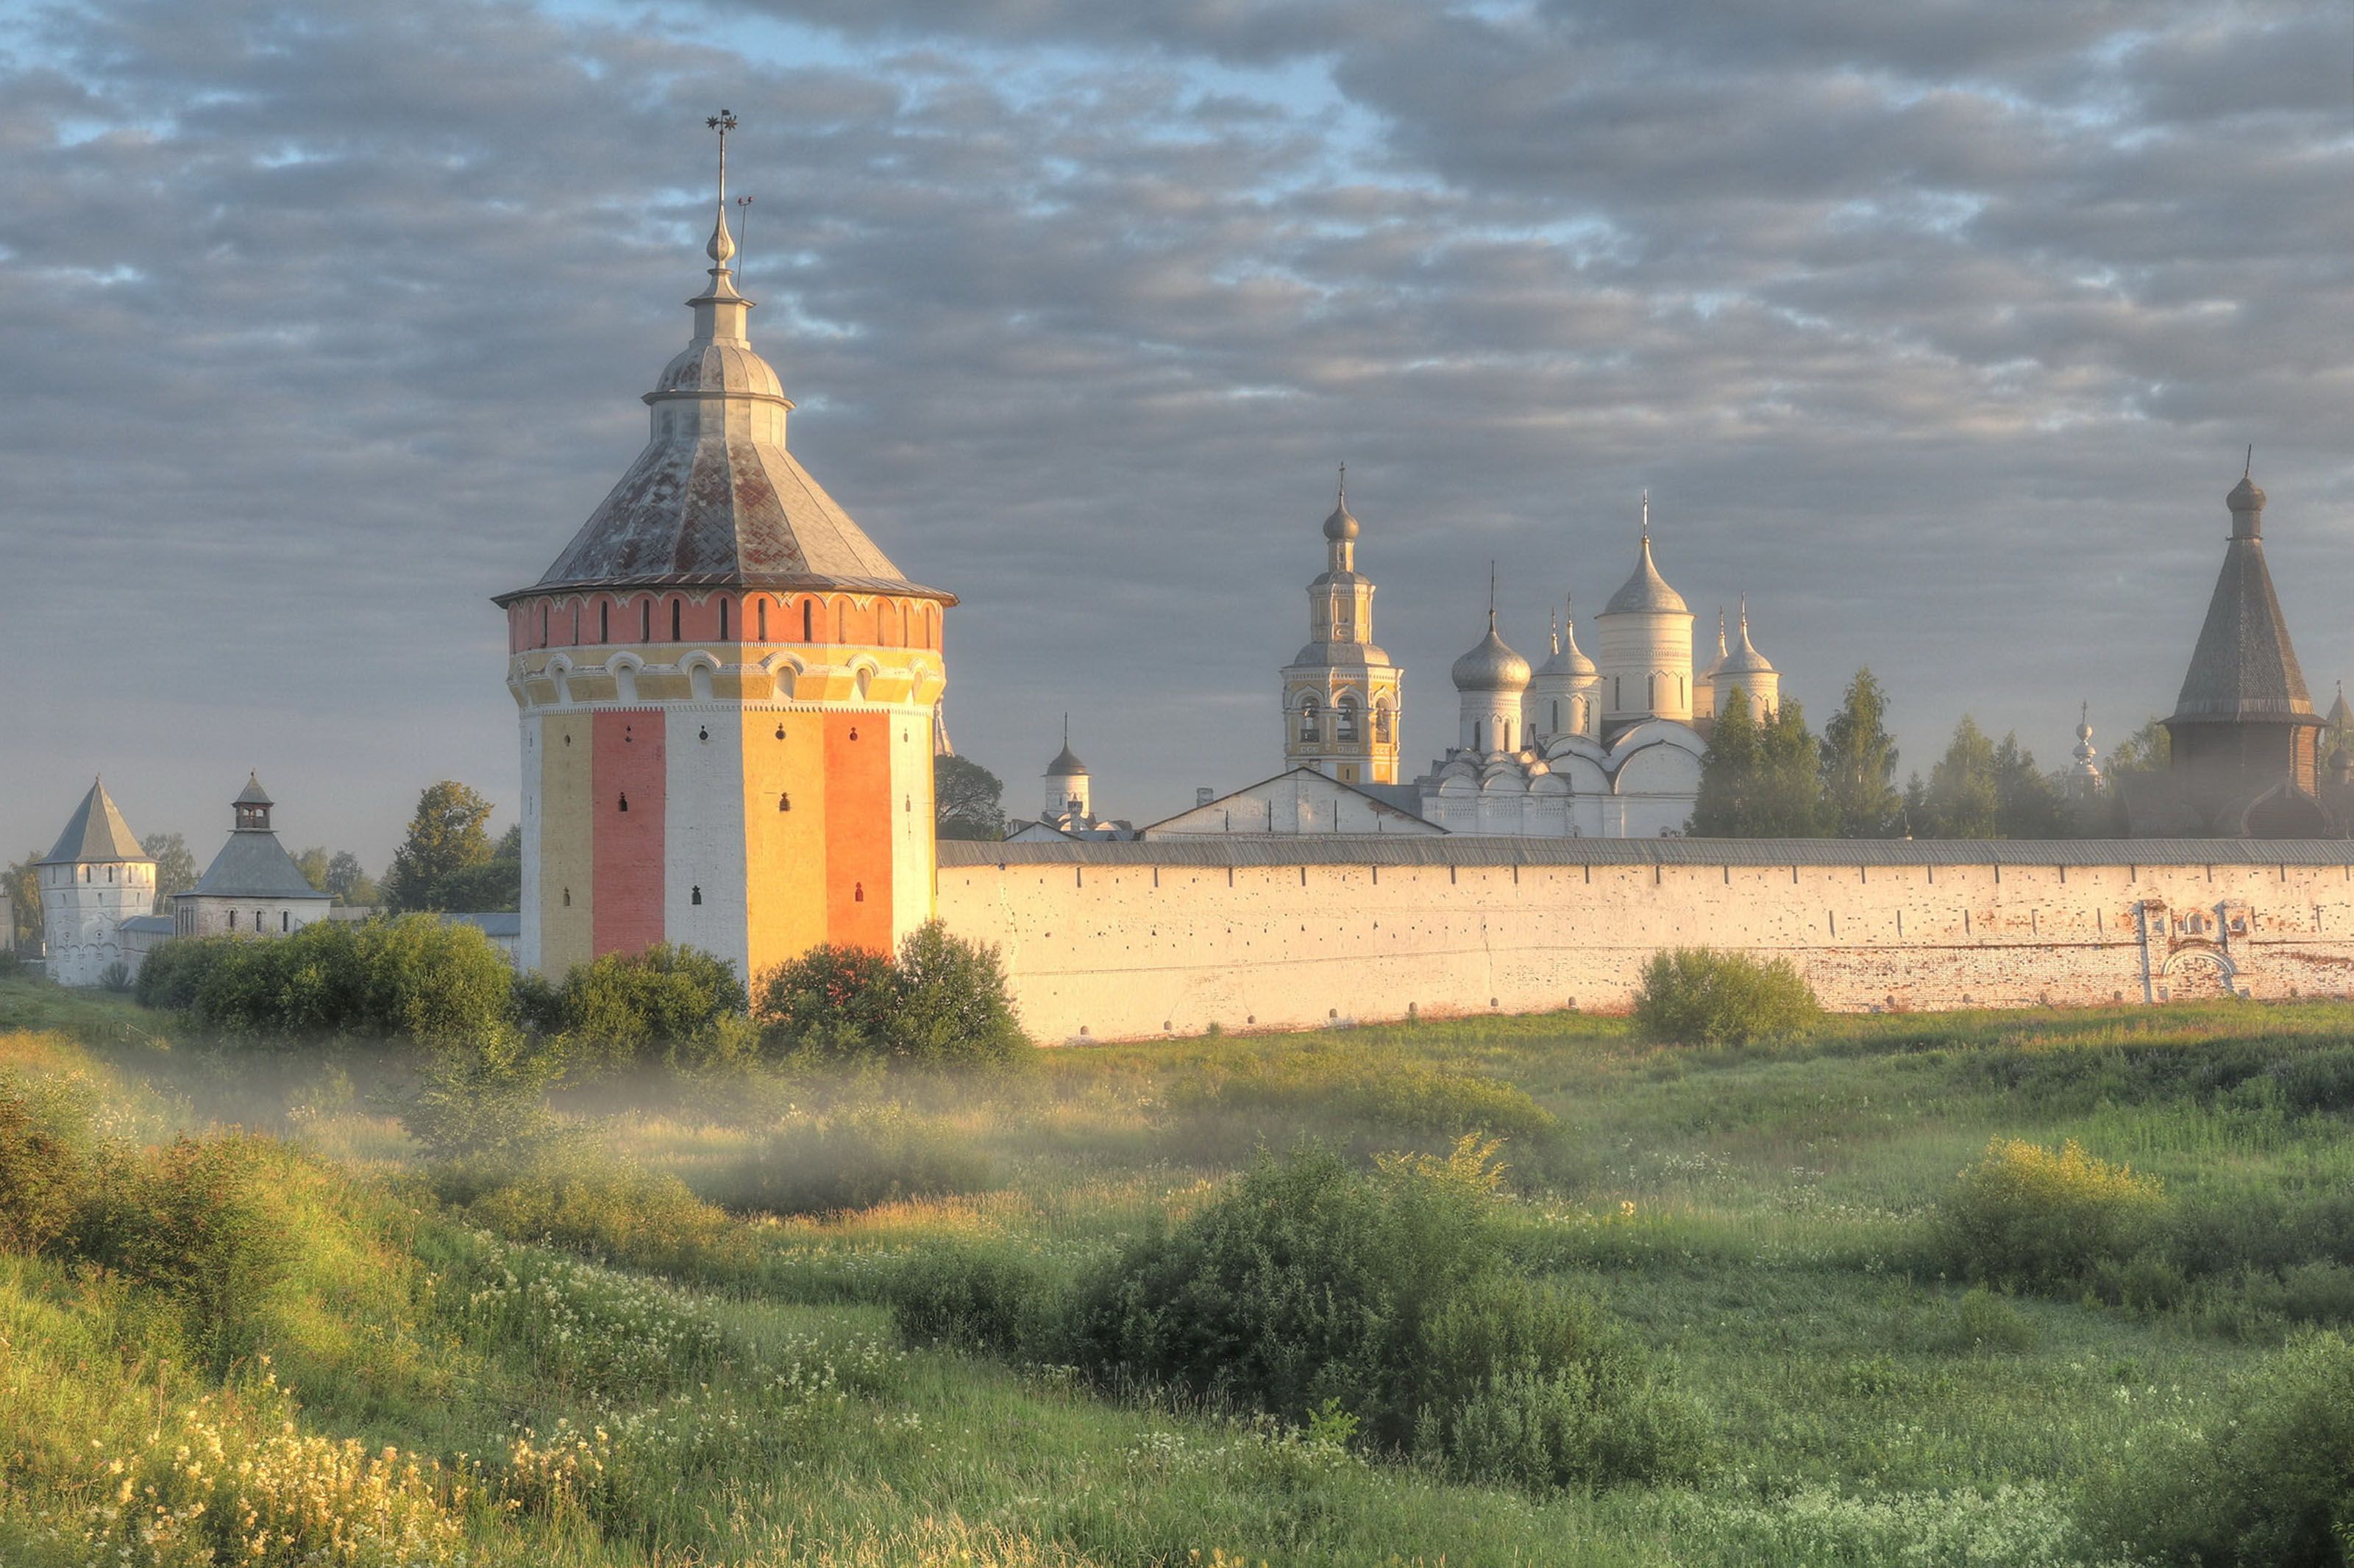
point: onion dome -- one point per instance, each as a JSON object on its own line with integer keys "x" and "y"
{"x": 2085, "y": 753}
{"x": 1342, "y": 524}
{"x": 1493, "y": 666}
{"x": 1567, "y": 659}
{"x": 1647, "y": 592}
{"x": 1067, "y": 763}
{"x": 2247, "y": 504}
{"x": 1744, "y": 659}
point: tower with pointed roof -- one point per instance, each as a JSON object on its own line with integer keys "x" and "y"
{"x": 94, "y": 881}
{"x": 1747, "y": 671}
{"x": 1069, "y": 791}
{"x": 1560, "y": 699}
{"x": 2245, "y": 738}
{"x": 1490, "y": 682}
{"x": 254, "y": 888}
{"x": 728, "y": 692}
{"x": 1646, "y": 657}
{"x": 1341, "y": 696}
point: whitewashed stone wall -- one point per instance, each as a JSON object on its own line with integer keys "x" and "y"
{"x": 1127, "y": 941}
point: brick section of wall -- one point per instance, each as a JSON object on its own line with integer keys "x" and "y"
{"x": 626, "y": 906}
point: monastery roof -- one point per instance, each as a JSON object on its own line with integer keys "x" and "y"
{"x": 96, "y": 831}
{"x": 253, "y": 864}
{"x": 2243, "y": 668}
{"x": 1496, "y": 850}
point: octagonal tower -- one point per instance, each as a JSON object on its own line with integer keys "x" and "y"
{"x": 727, "y": 691}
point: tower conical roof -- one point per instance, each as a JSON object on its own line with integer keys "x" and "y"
{"x": 715, "y": 500}
{"x": 2243, "y": 668}
{"x": 253, "y": 794}
{"x": 1744, "y": 659}
{"x": 1568, "y": 659}
{"x": 1646, "y": 592}
{"x": 96, "y": 831}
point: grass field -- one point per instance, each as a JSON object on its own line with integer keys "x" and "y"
{"x": 671, "y": 1342}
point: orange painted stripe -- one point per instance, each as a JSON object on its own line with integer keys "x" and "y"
{"x": 627, "y": 908}
{"x": 858, "y": 830}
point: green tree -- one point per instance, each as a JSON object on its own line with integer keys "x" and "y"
{"x": 2149, "y": 749}
{"x": 2027, "y": 805}
{"x": 175, "y": 868}
{"x": 1859, "y": 765}
{"x": 22, "y": 881}
{"x": 312, "y": 864}
{"x": 1963, "y": 798}
{"x": 1789, "y": 797}
{"x": 967, "y": 799}
{"x": 1726, "y": 804}
{"x": 348, "y": 882}
{"x": 445, "y": 838}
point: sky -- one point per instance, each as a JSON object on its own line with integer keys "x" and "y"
{"x": 1939, "y": 330}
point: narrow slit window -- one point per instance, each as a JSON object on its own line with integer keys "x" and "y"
{"x": 646, "y": 620}
{"x": 674, "y": 609}
{"x": 723, "y": 621}
{"x": 763, "y": 613}
{"x": 605, "y": 621}
{"x": 625, "y": 799}
{"x": 809, "y": 632}
{"x": 858, "y": 893}
{"x": 697, "y": 895}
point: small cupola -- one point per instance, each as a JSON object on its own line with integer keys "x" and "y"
{"x": 252, "y": 806}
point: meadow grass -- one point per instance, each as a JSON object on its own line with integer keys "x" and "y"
{"x": 722, "y": 1383}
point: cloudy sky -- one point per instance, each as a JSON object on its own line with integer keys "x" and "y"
{"x": 1937, "y": 328}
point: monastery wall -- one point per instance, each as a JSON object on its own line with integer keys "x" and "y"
{"x": 1110, "y": 941}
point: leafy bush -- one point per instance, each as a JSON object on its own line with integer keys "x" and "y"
{"x": 1697, "y": 996}
{"x": 941, "y": 1002}
{"x": 116, "y": 978}
{"x": 2268, "y": 1483}
{"x": 981, "y": 1300}
{"x": 433, "y": 981}
{"x": 630, "y": 1007}
{"x": 851, "y": 1162}
{"x": 1312, "y": 1282}
{"x": 1984, "y": 1321}
{"x": 198, "y": 1221}
{"x": 609, "y": 1208}
{"x": 485, "y": 1098}
{"x": 42, "y": 1175}
{"x": 174, "y": 970}
{"x": 2029, "y": 1219}
{"x": 416, "y": 976}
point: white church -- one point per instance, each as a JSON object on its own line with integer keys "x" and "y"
{"x": 1579, "y": 746}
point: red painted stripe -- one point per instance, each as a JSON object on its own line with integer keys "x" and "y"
{"x": 627, "y": 846}
{"x": 858, "y": 830}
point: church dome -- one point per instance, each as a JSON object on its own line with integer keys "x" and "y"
{"x": 1342, "y": 524}
{"x": 1066, "y": 765}
{"x": 2246, "y": 495}
{"x": 1647, "y": 592}
{"x": 1744, "y": 659}
{"x": 1568, "y": 659}
{"x": 1493, "y": 666}
{"x": 732, "y": 369}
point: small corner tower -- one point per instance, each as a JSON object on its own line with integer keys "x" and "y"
{"x": 254, "y": 888}
{"x": 1341, "y": 692}
{"x": 94, "y": 879}
{"x": 729, "y": 693}
{"x": 1647, "y": 648}
{"x": 2244, "y": 735}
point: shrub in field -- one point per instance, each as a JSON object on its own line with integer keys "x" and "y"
{"x": 851, "y": 1162}
{"x": 587, "y": 1203}
{"x": 981, "y": 1300}
{"x": 1697, "y": 996}
{"x": 2031, "y": 1219}
{"x": 416, "y": 976}
{"x": 198, "y": 1221}
{"x": 433, "y": 981}
{"x": 2267, "y": 1483}
{"x": 1984, "y": 1321}
{"x": 174, "y": 970}
{"x": 42, "y": 1175}
{"x": 484, "y": 1096}
{"x": 634, "y": 1007}
{"x": 1385, "y": 1295}
{"x": 942, "y": 1002}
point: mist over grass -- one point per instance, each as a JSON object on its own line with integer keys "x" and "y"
{"x": 671, "y": 1324}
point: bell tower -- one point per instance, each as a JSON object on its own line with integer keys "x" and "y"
{"x": 1341, "y": 692}
{"x": 729, "y": 693}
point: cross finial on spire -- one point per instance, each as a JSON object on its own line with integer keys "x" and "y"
{"x": 1491, "y": 593}
{"x": 1066, "y": 732}
{"x": 1647, "y": 513}
{"x": 1343, "y": 496}
{"x": 2248, "y": 468}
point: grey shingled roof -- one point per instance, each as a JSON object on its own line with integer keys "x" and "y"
{"x": 1471, "y": 849}
{"x": 2243, "y": 668}
{"x": 254, "y": 865}
{"x": 96, "y": 831}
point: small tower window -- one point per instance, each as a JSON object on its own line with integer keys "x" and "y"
{"x": 763, "y": 613}
{"x": 674, "y": 609}
{"x": 784, "y": 802}
{"x": 232, "y": 919}
{"x": 703, "y": 733}
{"x": 1382, "y": 724}
{"x": 780, "y": 732}
{"x": 543, "y": 625}
{"x": 853, "y": 732}
{"x": 858, "y": 893}
{"x": 697, "y": 895}
{"x": 723, "y": 621}
{"x": 809, "y": 633}
{"x": 1308, "y": 728}
{"x": 1477, "y": 734}
{"x": 605, "y": 621}
{"x": 1344, "y": 720}
{"x": 841, "y": 624}
{"x": 285, "y": 920}
{"x": 567, "y": 898}
{"x": 85, "y": 874}
{"x": 625, "y": 799}
{"x": 645, "y": 620}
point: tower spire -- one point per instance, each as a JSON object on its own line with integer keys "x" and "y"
{"x": 1647, "y": 514}
{"x": 1342, "y": 497}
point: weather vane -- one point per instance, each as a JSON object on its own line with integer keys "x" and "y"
{"x": 723, "y": 122}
